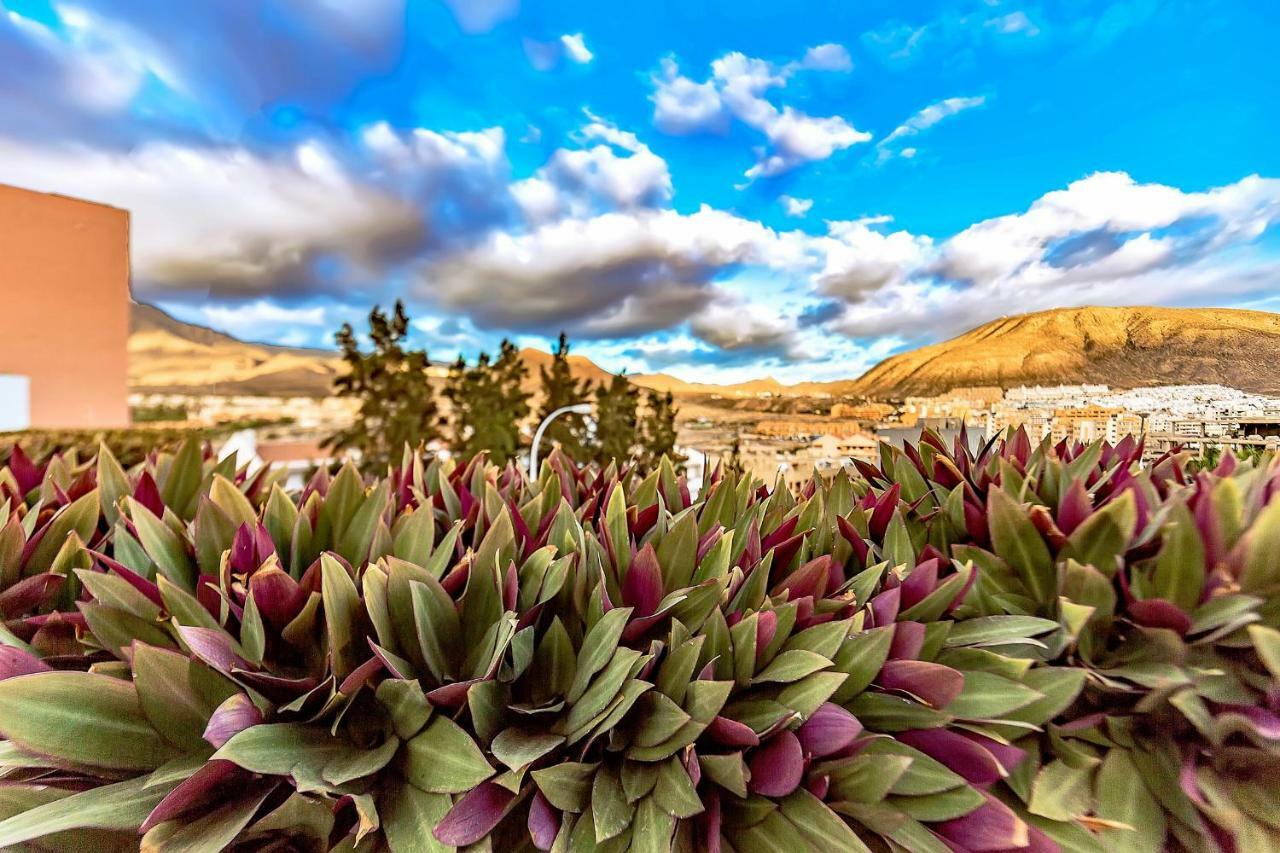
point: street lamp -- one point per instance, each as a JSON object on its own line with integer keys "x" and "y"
{"x": 578, "y": 409}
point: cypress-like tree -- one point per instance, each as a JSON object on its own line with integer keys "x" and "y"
{"x": 488, "y": 404}
{"x": 397, "y": 405}
{"x": 560, "y": 389}
{"x": 617, "y": 402}
{"x": 734, "y": 462}
{"x": 658, "y": 429}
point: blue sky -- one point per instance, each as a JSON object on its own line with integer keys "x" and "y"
{"x": 719, "y": 190}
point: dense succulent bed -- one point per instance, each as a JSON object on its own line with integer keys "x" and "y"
{"x": 1024, "y": 648}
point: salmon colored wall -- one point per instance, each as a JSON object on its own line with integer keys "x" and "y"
{"x": 64, "y": 306}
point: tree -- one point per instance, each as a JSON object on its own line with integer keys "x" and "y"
{"x": 397, "y": 405}
{"x": 734, "y": 461}
{"x": 560, "y": 389}
{"x": 489, "y": 404}
{"x": 617, "y": 402}
{"x": 658, "y": 429}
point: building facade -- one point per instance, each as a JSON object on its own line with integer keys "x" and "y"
{"x": 64, "y": 279}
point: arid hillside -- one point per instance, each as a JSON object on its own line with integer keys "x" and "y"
{"x": 1120, "y": 347}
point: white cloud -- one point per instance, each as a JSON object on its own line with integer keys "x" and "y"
{"x": 858, "y": 260}
{"x": 827, "y": 57}
{"x": 248, "y": 320}
{"x": 732, "y": 323}
{"x": 222, "y": 219}
{"x": 595, "y": 178}
{"x": 681, "y": 106}
{"x": 480, "y": 16}
{"x": 1104, "y": 239}
{"x": 611, "y": 275}
{"x": 896, "y": 42}
{"x": 922, "y": 121}
{"x": 103, "y": 63}
{"x": 576, "y": 48}
{"x": 1014, "y": 22}
{"x": 795, "y": 206}
{"x": 737, "y": 88}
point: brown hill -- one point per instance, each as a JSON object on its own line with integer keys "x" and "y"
{"x": 1120, "y": 347}
{"x": 168, "y": 355}
{"x": 667, "y": 382}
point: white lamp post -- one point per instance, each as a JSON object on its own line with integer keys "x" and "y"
{"x": 578, "y": 409}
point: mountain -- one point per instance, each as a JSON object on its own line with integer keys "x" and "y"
{"x": 667, "y": 382}
{"x": 1120, "y": 347}
{"x": 167, "y": 355}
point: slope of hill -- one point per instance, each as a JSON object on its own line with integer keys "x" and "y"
{"x": 667, "y": 382}
{"x": 1120, "y": 347}
{"x": 168, "y": 355}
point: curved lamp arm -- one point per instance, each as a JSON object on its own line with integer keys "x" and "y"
{"x": 577, "y": 409}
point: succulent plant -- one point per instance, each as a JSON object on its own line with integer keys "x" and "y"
{"x": 1026, "y": 647}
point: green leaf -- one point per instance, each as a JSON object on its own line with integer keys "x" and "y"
{"x": 406, "y": 704}
{"x": 482, "y": 599}
{"x": 602, "y": 690}
{"x": 1059, "y": 687}
{"x": 349, "y": 765}
{"x": 278, "y": 749}
{"x": 660, "y": 718}
{"x": 211, "y": 830}
{"x": 987, "y": 696}
{"x": 414, "y": 536}
{"x": 861, "y": 657}
{"x": 1266, "y": 641}
{"x": 359, "y": 532}
{"x": 342, "y": 616}
{"x": 597, "y": 649}
{"x": 409, "y": 815}
{"x": 113, "y": 483}
{"x": 124, "y": 805}
{"x": 652, "y": 829}
{"x": 807, "y": 695}
{"x": 674, "y": 791}
{"x": 925, "y": 775}
{"x": 1178, "y": 575}
{"x": 610, "y": 811}
{"x": 1018, "y": 543}
{"x": 823, "y": 828}
{"x": 79, "y": 517}
{"x": 1062, "y": 791}
{"x": 997, "y": 630}
{"x": 82, "y": 718}
{"x": 677, "y": 553}
{"x": 728, "y": 771}
{"x": 944, "y": 805}
{"x": 1105, "y": 535}
{"x": 791, "y": 666}
{"x": 1122, "y": 797}
{"x": 566, "y": 786}
{"x": 516, "y": 748}
{"x": 163, "y": 546}
{"x": 115, "y": 629}
{"x": 1261, "y": 571}
{"x": 228, "y": 498}
{"x": 438, "y": 628}
{"x": 443, "y": 759}
{"x": 178, "y": 695}
{"x": 868, "y": 778}
{"x": 182, "y": 480}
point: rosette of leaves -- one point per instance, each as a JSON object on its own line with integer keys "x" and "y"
{"x": 453, "y": 656}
